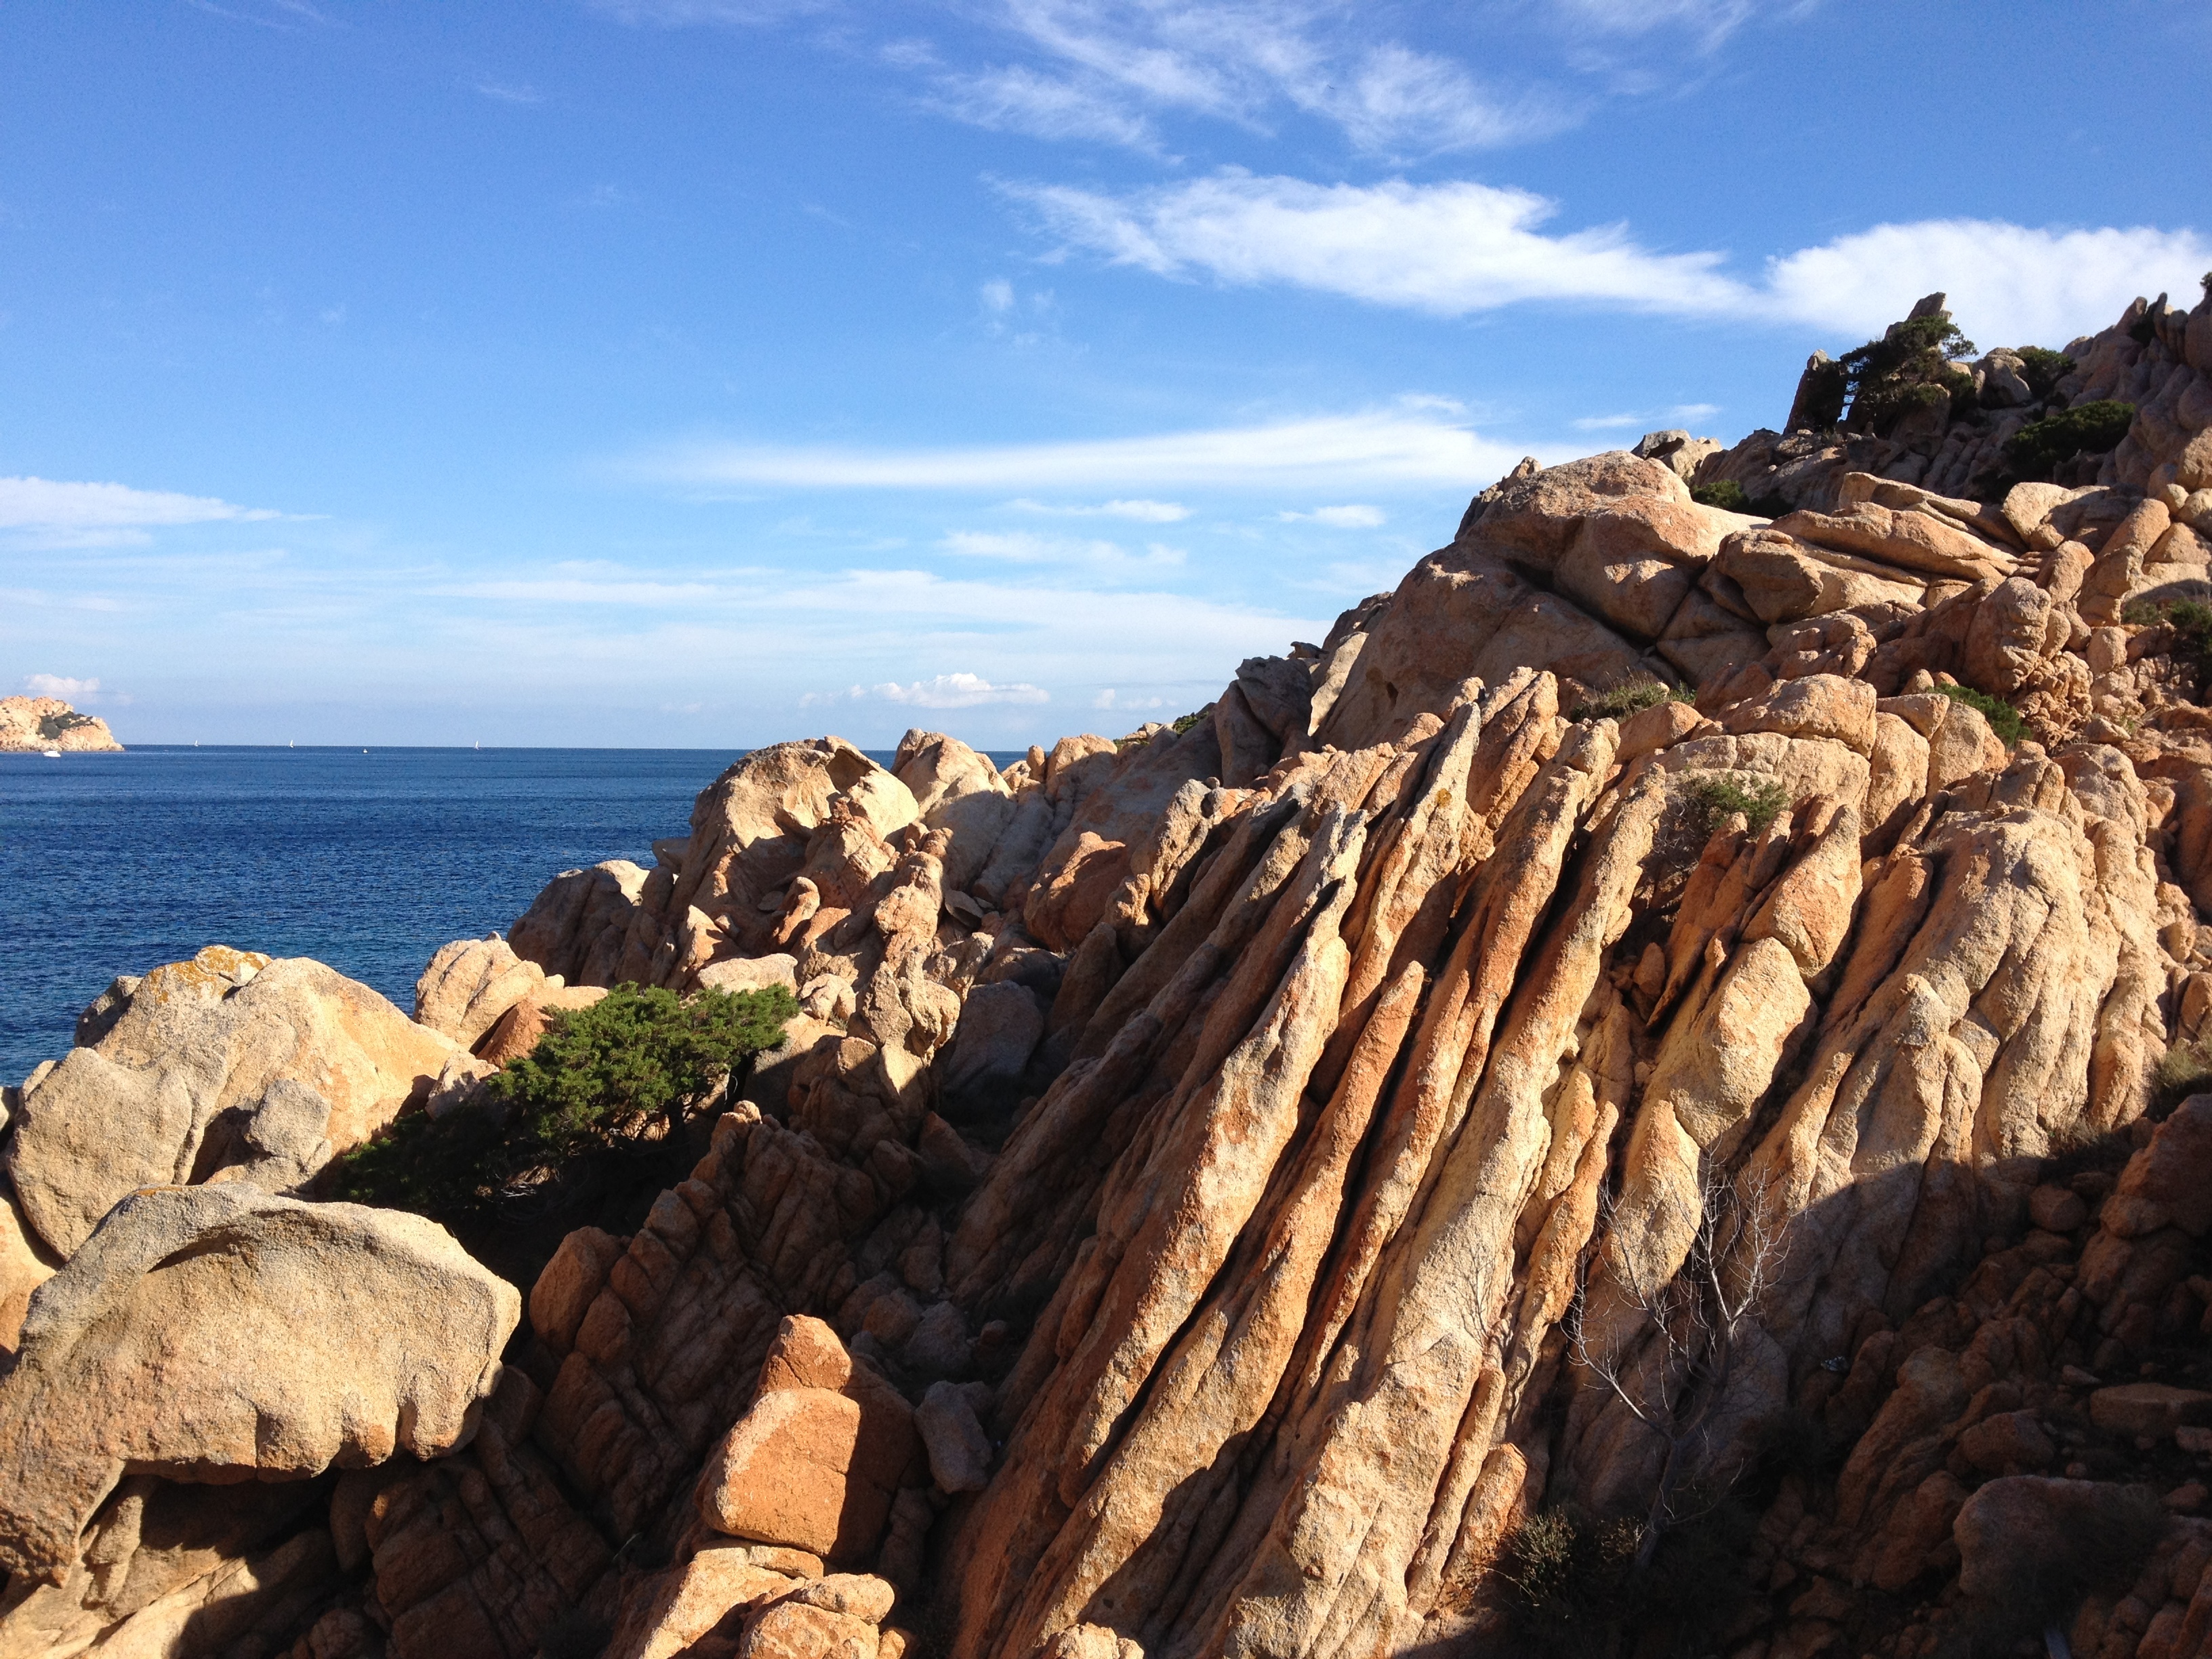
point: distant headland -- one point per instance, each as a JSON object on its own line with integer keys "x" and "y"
{"x": 50, "y": 723}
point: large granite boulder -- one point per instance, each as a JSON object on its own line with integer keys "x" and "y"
{"x": 221, "y": 1334}
{"x": 177, "y": 1086}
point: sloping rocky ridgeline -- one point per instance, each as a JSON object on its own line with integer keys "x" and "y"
{"x": 1183, "y": 1217}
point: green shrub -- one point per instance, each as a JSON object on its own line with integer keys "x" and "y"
{"x": 1715, "y": 800}
{"x": 1908, "y": 368}
{"x": 600, "y": 1084}
{"x": 2005, "y": 720}
{"x": 1183, "y": 723}
{"x": 2035, "y": 450}
{"x": 1620, "y": 701}
{"x": 1726, "y": 494}
{"x": 2043, "y": 370}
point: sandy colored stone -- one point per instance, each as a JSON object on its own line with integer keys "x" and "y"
{"x": 22, "y": 1270}
{"x": 42, "y": 723}
{"x": 1816, "y": 706}
{"x": 568, "y": 1284}
{"x": 1910, "y": 540}
{"x": 1810, "y": 908}
{"x": 470, "y": 983}
{"x": 221, "y": 1332}
{"x": 1616, "y": 533}
{"x": 751, "y": 974}
{"x": 137, "y": 1110}
{"x": 1464, "y": 613}
{"x": 1782, "y": 579}
{"x": 815, "y": 1460}
{"x": 690, "y": 1601}
{"x": 856, "y": 1595}
{"x": 781, "y": 1474}
{"x": 1899, "y": 770}
{"x": 792, "y": 1630}
{"x": 2168, "y": 1183}
{"x": 1659, "y": 726}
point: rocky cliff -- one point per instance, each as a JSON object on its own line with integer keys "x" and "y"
{"x": 50, "y": 723}
{"x": 1639, "y": 1097}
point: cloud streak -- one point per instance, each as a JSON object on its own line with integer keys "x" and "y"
{"x": 1405, "y": 446}
{"x": 1145, "y": 512}
{"x": 60, "y": 685}
{"x": 1106, "y": 71}
{"x": 961, "y": 690}
{"x": 1458, "y": 248}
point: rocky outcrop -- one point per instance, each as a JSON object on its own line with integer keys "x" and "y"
{"x": 1659, "y": 988}
{"x": 220, "y": 1334}
{"x": 229, "y": 1064}
{"x": 42, "y": 723}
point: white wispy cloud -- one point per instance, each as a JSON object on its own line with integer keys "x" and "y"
{"x": 1646, "y": 420}
{"x": 1144, "y": 511}
{"x": 940, "y": 691}
{"x": 2009, "y": 285}
{"x": 1105, "y": 557}
{"x": 1410, "y": 444}
{"x": 1455, "y": 248}
{"x": 1110, "y": 698}
{"x": 1447, "y": 249}
{"x": 1708, "y": 23}
{"x": 681, "y": 14}
{"x": 60, "y": 685}
{"x": 1108, "y": 71}
{"x": 51, "y": 514}
{"x": 507, "y": 92}
{"x": 1351, "y": 517}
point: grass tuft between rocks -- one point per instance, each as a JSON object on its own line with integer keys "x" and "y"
{"x": 2005, "y": 720}
{"x": 1630, "y": 697}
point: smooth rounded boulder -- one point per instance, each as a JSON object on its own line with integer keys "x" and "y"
{"x": 201, "y": 1041}
{"x": 220, "y": 1334}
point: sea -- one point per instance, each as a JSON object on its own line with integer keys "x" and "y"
{"x": 365, "y": 859}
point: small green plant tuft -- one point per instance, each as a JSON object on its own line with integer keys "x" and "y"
{"x": 2043, "y": 368}
{"x": 2005, "y": 720}
{"x": 1183, "y": 723}
{"x": 1716, "y": 798}
{"x": 1725, "y": 494}
{"x": 2037, "y": 449}
{"x": 1629, "y": 697}
{"x": 605, "y": 1086}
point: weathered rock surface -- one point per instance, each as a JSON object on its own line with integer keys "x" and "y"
{"x": 40, "y": 723}
{"x": 191, "y": 1077}
{"x": 221, "y": 1334}
{"x": 1226, "y": 1181}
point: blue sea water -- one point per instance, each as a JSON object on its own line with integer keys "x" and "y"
{"x": 367, "y": 860}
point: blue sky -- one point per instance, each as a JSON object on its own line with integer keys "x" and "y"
{"x": 706, "y": 372}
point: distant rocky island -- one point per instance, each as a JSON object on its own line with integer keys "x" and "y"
{"x": 1648, "y": 1095}
{"x": 41, "y": 723}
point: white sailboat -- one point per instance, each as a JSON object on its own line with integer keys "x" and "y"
{"x": 52, "y": 754}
